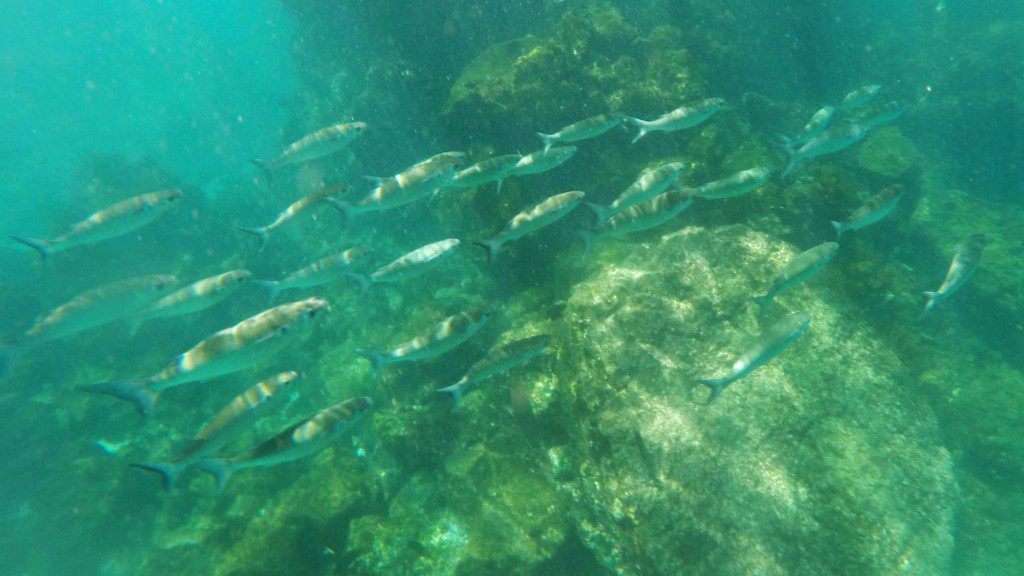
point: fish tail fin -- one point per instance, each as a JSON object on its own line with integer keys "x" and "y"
{"x": 168, "y": 471}
{"x": 787, "y": 146}
{"x": 455, "y": 390}
{"x": 40, "y": 246}
{"x": 763, "y": 302}
{"x": 933, "y": 300}
{"x": 839, "y": 228}
{"x": 600, "y": 212}
{"x": 377, "y": 359}
{"x": 265, "y": 166}
{"x": 716, "y": 385}
{"x": 547, "y": 139}
{"x": 273, "y": 288}
{"x": 492, "y": 246}
{"x": 642, "y": 127}
{"x": 259, "y": 233}
{"x": 588, "y": 238}
{"x": 137, "y": 392}
{"x": 219, "y": 468}
{"x": 343, "y": 208}
{"x": 362, "y": 279}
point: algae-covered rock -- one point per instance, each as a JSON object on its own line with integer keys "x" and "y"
{"x": 822, "y": 462}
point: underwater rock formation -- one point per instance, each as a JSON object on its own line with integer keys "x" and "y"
{"x": 822, "y": 462}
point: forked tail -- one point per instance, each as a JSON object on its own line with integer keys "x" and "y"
{"x": 259, "y": 233}
{"x": 642, "y": 128}
{"x": 219, "y": 468}
{"x": 40, "y": 246}
{"x": 265, "y": 166}
{"x": 168, "y": 471}
{"x": 137, "y": 392}
{"x": 547, "y": 139}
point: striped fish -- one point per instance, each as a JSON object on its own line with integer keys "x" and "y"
{"x": 498, "y": 361}
{"x": 582, "y": 130}
{"x": 295, "y": 442}
{"x": 799, "y": 270}
{"x": 421, "y": 180}
{"x": 442, "y": 337}
{"x": 760, "y": 351}
{"x": 312, "y": 146}
{"x": 828, "y": 142}
{"x": 859, "y": 97}
{"x": 877, "y": 207}
{"x": 222, "y": 428}
{"x": 318, "y": 273}
{"x": 650, "y": 183}
{"x": 490, "y": 170}
{"x": 965, "y": 262}
{"x": 116, "y": 220}
{"x": 738, "y": 184}
{"x": 236, "y": 348}
{"x": 816, "y": 125}
{"x": 640, "y": 217}
{"x": 410, "y": 265}
{"x": 193, "y": 298}
{"x": 532, "y": 219}
{"x": 542, "y": 161}
{"x": 679, "y": 119}
{"x": 298, "y": 207}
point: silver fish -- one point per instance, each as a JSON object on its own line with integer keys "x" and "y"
{"x": 543, "y": 161}
{"x": 859, "y": 97}
{"x": 308, "y": 201}
{"x": 115, "y": 220}
{"x": 799, "y": 270}
{"x": 640, "y": 217}
{"x": 491, "y": 170}
{"x": 816, "y": 125}
{"x": 295, "y": 442}
{"x": 498, "y": 361}
{"x": 323, "y": 271}
{"x": 312, "y": 146}
{"x": 651, "y": 183}
{"x": 877, "y": 207}
{"x": 442, "y": 337}
{"x": 532, "y": 219}
{"x": 236, "y": 348}
{"x": 679, "y": 119}
{"x": 222, "y": 428}
{"x": 761, "y": 351}
{"x": 828, "y": 142}
{"x": 421, "y": 180}
{"x": 888, "y": 113}
{"x": 582, "y": 130}
{"x": 410, "y": 265}
{"x": 966, "y": 259}
{"x": 193, "y": 298}
{"x": 738, "y": 184}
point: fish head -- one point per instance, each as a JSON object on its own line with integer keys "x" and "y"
{"x": 358, "y": 128}
{"x": 538, "y": 342}
{"x": 758, "y": 174}
{"x": 166, "y": 197}
{"x": 234, "y": 278}
{"x": 355, "y": 253}
{"x": 479, "y": 314}
{"x": 714, "y": 103}
{"x": 162, "y": 283}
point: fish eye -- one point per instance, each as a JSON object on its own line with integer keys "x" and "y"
{"x": 313, "y": 312}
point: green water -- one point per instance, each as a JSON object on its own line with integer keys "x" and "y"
{"x": 876, "y": 441}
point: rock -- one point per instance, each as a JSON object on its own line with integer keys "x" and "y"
{"x": 821, "y": 462}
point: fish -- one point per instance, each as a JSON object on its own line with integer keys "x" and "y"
{"x": 498, "y": 361}
{"x": 542, "y": 161}
{"x": 651, "y": 182}
{"x": 410, "y": 265}
{"x": 738, "y": 184}
{"x": 421, "y": 180}
{"x": 877, "y": 207}
{"x": 230, "y": 350}
{"x": 886, "y": 114}
{"x": 799, "y": 270}
{"x": 582, "y": 130}
{"x": 640, "y": 217}
{"x": 297, "y": 441}
{"x": 679, "y": 119}
{"x": 193, "y": 298}
{"x": 113, "y": 221}
{"x": 760, "y": 351}
{"x": 323, "y": 271}
{"x": 828, "y": 142}
{"x": 542, "y": 214}
{"x": 262, "y": 233}
{"x": 491, "y": 170}
{"x": 224, "y": 427}
{"x": 442, "y": 337}
{"x": 816, "y": 125}
{"x": 859, "y": 97}
{"x": 966, "y": 259}
{"x": 321, "y": 143}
